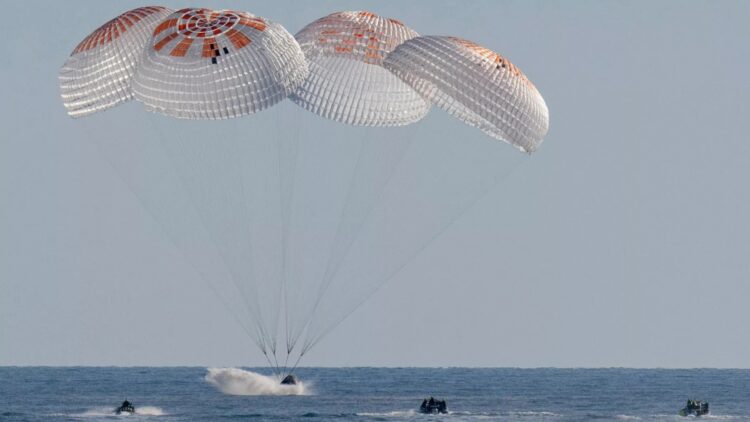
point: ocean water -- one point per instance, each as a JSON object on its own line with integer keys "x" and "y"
{"x": 369, "y": 394}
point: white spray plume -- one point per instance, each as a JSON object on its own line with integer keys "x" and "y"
{"x": 238, "y": 382}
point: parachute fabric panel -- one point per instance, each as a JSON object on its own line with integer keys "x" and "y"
{"x": 206, "y": 64}
{"x": 98, "y": 73}
{"x": 475, "y": 85}
{"x": 347, "y": 81}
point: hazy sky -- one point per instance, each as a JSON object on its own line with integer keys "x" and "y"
{"x": 622, "y": 242}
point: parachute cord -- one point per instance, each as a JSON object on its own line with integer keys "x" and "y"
{"x": 270, "y": 365}
{"x": 286, "y": 199}
{"x": 339, "y": 227}
{"x": 236, "y": 283}
{"x": 281, "y": 275}
{"x": 191, "y": 263}
{"x": 296, "y": 363}
{"x": 275, "y": 360}
{"x": 503, "y": 176}
{"x": 331, "y": 271}
{"x": 286, "y": 361}
{"x": 275, "y": 365}
{"x": 258, "y": 327}
{"x": 246, "y": 202}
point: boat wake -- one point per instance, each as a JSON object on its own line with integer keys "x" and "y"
{"x": 393, "y": 414}
{"x": 239, "y": 382}
{"x": 100, "y": 412}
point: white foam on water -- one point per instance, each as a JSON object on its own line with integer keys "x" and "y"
{"x": 239, "y": 382}
{"x": 149, "y": 411}
{"x": 394, "y": 414}
{"x": 530, "y": 413}
{"x": 697, "y": 418}
{"x": 99, "y": 412}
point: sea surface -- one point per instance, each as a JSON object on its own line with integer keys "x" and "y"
{"x": 372, "y": 394}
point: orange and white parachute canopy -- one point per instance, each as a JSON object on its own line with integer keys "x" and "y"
{"x": 216, "y": 64}
{"x": 476, "y": 85}
{"x": 99, "y": 72}
{"x": 347, "y": 81}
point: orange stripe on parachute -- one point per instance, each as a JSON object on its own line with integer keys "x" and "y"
{"x": 164, "y": 41}
{"x": 255, "y": 23}
{"x": 114, "y": 28}
{"x": 181, "y": 49}
{"x": 207, "y": 50}
{"x": 492, "y": 57}
{"x": 237, "y": 38}
{"x": 164, "y": 26}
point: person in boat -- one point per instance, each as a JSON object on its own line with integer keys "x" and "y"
{"x": 433, "y": 406}
{"x": 695, "y": 407}
{"x": 126, "y": 406}
{"x": 442, "y": 407}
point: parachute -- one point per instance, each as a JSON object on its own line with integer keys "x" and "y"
{"x": 347, "y": 81}
{"x": 475, "y": 84}
{"x": 99, "y": 72}
{"x": 292, "y": 220}
{"x": 207, "y": 64}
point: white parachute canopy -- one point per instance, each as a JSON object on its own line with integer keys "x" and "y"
{"x": 206, "y": 64}
{"x": 293, "y": 221}
{"x": 476, "y": 85}
{"x": 347, "y": 81}
{"x": 99, "y": 72}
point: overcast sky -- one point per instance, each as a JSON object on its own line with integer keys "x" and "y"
{"x": 622, "y": 242}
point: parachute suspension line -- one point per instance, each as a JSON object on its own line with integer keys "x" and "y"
{"x": 286, "y": 192}
{"x": 297, "y": 362}
{"x": 172, "y": 159}
{"x": 267, "y": 339}
{"x": 284, "y": 234}
{"x": 259, "y": 339}
{"x": 239, "y": 286}
{"x": 349, "y": 193}
{"x": 279, "y": 294}
{"x": 204, "y": 278}
{"x": 501, "y": 177}
{"x": 275, "y": 369}
{"x": 339, "y": 228}
{"x": 273, "y": 365}
{"x": 332, "y": 267}
{"x": 286, "y": 362}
